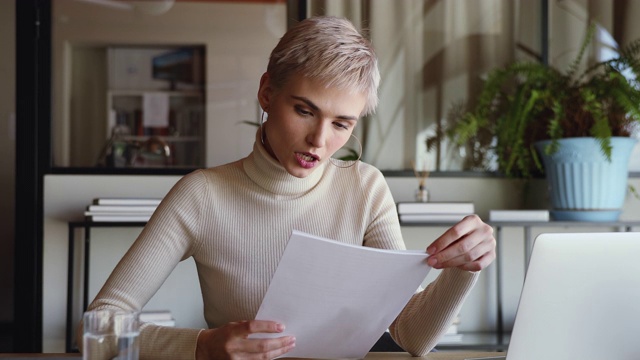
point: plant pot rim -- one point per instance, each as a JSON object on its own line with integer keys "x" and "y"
{"x": 582, "y": 138}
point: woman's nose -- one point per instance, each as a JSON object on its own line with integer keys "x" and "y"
{"x": 317, "y": 135}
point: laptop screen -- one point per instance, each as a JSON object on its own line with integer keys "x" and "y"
{"x": 581, "y": 299}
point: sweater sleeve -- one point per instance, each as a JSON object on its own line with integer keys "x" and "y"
{"x": 429, "y": 313}
{"x": 382, "y": 224}
{"x": 170, "y": 236}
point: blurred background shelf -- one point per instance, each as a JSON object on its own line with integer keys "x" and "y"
{"x": 488, "y": 341}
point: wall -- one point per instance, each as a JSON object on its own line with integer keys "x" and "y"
{"x": 67, "y": 195}
{"x": 7, "y": 156}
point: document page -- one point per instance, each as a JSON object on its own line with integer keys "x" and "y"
{"x": 338, "y": 299}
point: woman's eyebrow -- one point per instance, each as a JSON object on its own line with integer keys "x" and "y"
{"x": 306, "y": 101}
{"x": 316, "y": 108}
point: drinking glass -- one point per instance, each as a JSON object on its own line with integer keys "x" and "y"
{"x": 111, "y": 334}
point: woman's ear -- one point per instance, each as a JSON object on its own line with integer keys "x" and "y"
{"x": 265, "y": 92}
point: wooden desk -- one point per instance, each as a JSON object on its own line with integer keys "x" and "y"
{"x": 441, "y": 355}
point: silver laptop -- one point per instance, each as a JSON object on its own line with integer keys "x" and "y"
{"x": 581, "y": 299}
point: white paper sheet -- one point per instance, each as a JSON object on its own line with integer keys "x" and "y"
{"x": 338, "y": 299}
{"x": 155, "y": 110}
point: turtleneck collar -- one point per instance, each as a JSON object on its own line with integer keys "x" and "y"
{"x": 267, "y": 172}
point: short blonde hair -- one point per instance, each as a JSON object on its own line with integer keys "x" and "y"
{"x": 329, "y": 49}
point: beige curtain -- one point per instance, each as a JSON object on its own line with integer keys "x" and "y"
{"x": 432, "y": 53}
{"x": 569, "y": 20}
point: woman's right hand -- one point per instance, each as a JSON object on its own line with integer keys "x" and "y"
{"x": 232, "y": 341}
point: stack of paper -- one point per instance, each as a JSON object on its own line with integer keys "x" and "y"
{"x": 338, "y": 299}
{"x": 434, "y": 211}
{"x": 121, "y": 209}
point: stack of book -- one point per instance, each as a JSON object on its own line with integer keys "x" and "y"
{"x": 434, "y": 211}
{"x": 121, "y": 209}
{"x": 157, "y": 317}
{"x": 519, "y": 215}
{"x": 452, "y": 336}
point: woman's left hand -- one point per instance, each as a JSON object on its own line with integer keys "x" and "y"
{"x": 468, "y": 245}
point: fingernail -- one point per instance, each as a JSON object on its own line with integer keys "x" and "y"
{"x": 280, "y": 327}
{"x": 432, "y": 261}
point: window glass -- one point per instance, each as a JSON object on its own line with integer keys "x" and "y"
{"x": 433, "y": 55}
{"x": 197, "y": 64}
{"x": 158, "y": 83}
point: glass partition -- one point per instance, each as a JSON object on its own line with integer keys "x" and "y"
{"x": 433, "y": 56}
{"x": 158, "y": 84}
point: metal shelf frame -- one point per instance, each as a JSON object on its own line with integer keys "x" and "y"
{"x": 499, "y": 340}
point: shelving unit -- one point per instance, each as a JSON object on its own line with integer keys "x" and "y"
{"x": 155, "y": 115}
{"x": 71, "y": 277}
{"x": 499, "y": 340}
{"x": 485, "y": 341}
{"x": 184, "y": 136}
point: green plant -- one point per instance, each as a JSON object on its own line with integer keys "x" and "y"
{"x": 525, "y": 102}
{"x": 477, "y": 145}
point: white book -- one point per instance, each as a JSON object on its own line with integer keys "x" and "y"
{"x": 117, "y": 213}
{"x": 122, "y": 208}
{"x": 436, "y": 208}
{"x": 119, "y": 218}
{"x": 450, "y": 339}
{"x": 519, "y": 215}
{"x": 127, "y": 201}
{"x": 452, "y": 329}
{"x": 155, "y": 315}
{"x": 416, "y": 218}
{"x": 169, "y": 323}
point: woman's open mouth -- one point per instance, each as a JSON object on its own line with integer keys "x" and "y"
{"x": 307, "y": 160}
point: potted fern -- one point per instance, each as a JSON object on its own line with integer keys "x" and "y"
{"x": 565, "y": 122}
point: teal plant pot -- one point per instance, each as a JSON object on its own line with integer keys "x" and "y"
{"x": 583, "y": 185}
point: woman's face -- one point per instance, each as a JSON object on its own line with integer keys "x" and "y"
{"x": 307, "y": 122}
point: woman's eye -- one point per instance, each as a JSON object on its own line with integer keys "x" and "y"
{"x": 341, "y": 125}
{"x": 302, "y": 111}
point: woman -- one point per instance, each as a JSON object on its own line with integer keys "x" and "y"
{"x": 235, "y": 219}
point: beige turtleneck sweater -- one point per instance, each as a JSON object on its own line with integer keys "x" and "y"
{"x": 235, "y": 221}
